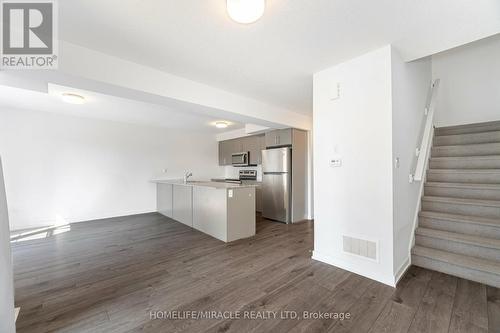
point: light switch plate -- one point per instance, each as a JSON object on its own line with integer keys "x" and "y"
{"x": 335, "y": 91}
{"x": 336, "y": 162}
{"x": 397, "y": 163}
{"x": 230, "y": 193}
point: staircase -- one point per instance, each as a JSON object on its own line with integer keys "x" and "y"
{"x": 459, "y": 222}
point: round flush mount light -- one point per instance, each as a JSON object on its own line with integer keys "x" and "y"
{"x": 221, "y": 124}
{"x": 245, "y": 11}
{"x": 73, "y": 98}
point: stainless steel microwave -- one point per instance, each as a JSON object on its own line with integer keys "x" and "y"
{"x": 240, "y": 159}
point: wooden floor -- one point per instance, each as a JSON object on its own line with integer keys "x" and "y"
{"x": 114, "y": 275}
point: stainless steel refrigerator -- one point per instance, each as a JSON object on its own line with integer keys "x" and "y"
{"x": 277, "y": 184}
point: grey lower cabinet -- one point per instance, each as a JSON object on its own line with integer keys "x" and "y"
{"x": 258, "y": 193}
{"x": 182, "y": 204}
{"x": 226, "y": 214}
{"x": 258, "y": 198}
{"x": 164, "y": 199}
{"x": 209, "y": 213}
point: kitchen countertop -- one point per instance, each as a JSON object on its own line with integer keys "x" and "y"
{"x": 215, "y": 185}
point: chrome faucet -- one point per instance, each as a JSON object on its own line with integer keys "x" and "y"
{"x": 187, "y": 175}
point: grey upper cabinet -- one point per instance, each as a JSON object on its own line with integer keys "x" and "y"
{"x": 252, "y": 144}
{"x": 271, "y": 139}
{"x": 238, "y": 145}
{"x": 262, "y": 146}
{"x": 221, "y": 152}
{"x": 278, "y": 138}
{"x": 223, "y": 149}
{"x": 226, "y": 149}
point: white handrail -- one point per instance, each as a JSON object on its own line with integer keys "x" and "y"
{"x": 422, "y": 151}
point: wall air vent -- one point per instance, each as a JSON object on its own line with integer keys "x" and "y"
{"x": 360, "y": 247}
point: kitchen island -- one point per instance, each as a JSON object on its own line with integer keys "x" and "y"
{"x": 222, "y": 210}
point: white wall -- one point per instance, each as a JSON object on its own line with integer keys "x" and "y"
{"x": 355, "y": 199}
{"x": 6, "y": 279}
{"x": 410, "y": 84}
{"x": 75, "y": 169}
{"x": 469, "y": 90}
{"x": 376, "y": 119}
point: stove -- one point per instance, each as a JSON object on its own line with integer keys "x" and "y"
{"x": 243, "y": 175}
{"x": 248, "y": 175}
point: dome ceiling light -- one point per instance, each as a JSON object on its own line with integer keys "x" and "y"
{"x": 221, "y": 124}
{"x": 245, "y": 11}
{"x": 73, "y": 98}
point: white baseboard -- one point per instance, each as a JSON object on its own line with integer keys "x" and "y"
{"x": 388, "y": 280}
{"x": 79, "y": 219}
{"x": 402, "y": 269}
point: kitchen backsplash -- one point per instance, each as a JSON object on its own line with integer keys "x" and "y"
{"x": 232, "y": 172}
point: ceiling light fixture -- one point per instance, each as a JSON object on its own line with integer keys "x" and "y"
{"x": 73, "y": 98}
{"x": 221, "y": 124}
{"x": 245, "y": 11}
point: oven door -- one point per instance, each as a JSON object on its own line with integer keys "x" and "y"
{"x": 240, "y": 159}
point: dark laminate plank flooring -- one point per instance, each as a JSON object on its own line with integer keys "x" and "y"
{"x": 107, "y": 275}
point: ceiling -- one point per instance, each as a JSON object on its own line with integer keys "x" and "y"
{"x": 101, "y": 106}
{"x": 273, "y": 59}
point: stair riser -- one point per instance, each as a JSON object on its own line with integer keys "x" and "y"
{"x": 480, "y": 150}
{"x": 455, "y": 192}
{"x": 457, "y": 247}
{"x": 468, "y": 129}
{"x": 465, "y": 273}
{"x": 461, "y": 209}
{"x": 460, "y": 227}
{"x": 467, "y": 139}
{"x": 465, "y": 164}
{"x": 452, "y": 177}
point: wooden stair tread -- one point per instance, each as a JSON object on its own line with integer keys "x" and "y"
{"x": 469, "y": 171}
{"x": 474, "y": 263}
{"x": 469, "y": 145}
{"x": 464, "y": 185}
{"x": 460, "y": 225}
{"x": 461, "y": 238}
{"x": 474, "y": 125}
{"x": 467, "y": 134}
{"x": 474, "y": 202}
{"x": 461, "y": 218}
{"x": 466, "y": 158}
